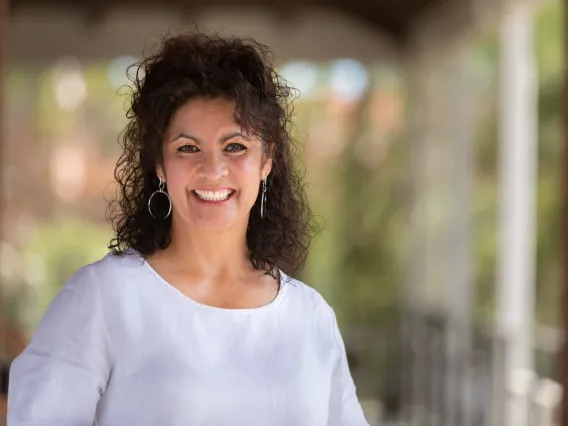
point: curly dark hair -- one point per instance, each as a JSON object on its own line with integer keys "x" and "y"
{"x": 199, "y": 65}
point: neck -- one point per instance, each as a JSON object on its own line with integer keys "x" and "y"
{"x": 209, "y": 253}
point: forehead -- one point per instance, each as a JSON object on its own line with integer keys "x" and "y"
{"x": 205, "y": 114}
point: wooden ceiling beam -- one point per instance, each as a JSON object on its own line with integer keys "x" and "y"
{"x": 391, "y": 17}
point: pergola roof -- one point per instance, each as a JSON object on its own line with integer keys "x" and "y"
{"x": 392, "y": 17}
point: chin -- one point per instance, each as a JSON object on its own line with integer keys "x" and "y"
{"x": 212, "y": 220}
{"x": 212, "y": 225}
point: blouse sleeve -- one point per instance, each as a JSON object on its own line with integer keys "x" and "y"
{"x": 59, "y": 378}
{"x": 344, "y": 407}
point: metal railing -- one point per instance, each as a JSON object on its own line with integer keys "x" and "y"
{"x": 419, "y": 382}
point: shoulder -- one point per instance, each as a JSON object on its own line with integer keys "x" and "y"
{"x": 308, "y": 299}
{"x": 102, "y": 275}
{"x": 309, "y": 308}
{"x": 113, "y": 266}
{"x": 80, "y": 301}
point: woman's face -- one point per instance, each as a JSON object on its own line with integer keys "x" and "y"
{"x": 212, "y": 171}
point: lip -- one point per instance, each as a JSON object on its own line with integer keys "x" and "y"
{"x": 214, "y": 189}
{"x": 210, "y": 202}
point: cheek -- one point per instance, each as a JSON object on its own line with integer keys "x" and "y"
{"x": 179, "y": 172}
{"x": 248, "y": 166}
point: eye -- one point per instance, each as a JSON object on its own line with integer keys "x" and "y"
{"x": 235, "y": 148}
{"x": 188, "y": 148}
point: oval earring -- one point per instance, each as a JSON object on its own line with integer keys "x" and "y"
{"x": 160, "y": 191}
{"x": 263, "y": 199}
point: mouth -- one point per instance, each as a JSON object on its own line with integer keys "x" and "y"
{"x": 213, "y": 196}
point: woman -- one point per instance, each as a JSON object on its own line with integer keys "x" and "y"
{"x": 190, "y": 320}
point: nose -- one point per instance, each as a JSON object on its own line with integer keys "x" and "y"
{"x": 212, "y": 166}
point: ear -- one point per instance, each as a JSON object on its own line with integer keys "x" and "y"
{"x": 267, "y": 168}
{"x": 160, "y": 173}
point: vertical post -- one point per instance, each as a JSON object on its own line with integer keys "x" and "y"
{"x": 413, "y": 350}
{"x": 441, "y": 168}
{"x": 564, "y": 234}
{"x": 517, "y": 220}
{"x": 459, "y": 277}
{"x": 3, "y": 35}
{"x": 4, "y": 9}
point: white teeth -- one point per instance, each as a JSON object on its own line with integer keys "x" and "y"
{"x": 213, "y": 195}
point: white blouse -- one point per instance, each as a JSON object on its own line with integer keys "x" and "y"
{"x": 119, "y": 346}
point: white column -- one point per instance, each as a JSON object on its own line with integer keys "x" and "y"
{"x": 517, "y": 220}
{"x": 459, "y": 229}
{"x": 413, "y": 289}
{"x": 439, "y": 269}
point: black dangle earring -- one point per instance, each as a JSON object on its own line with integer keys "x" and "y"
{"x": 263, "y": 199}
{"x": 160, "y": 191}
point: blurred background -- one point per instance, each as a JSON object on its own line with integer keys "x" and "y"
{"x": 430, "y": 131}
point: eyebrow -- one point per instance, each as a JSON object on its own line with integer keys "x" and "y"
{"x": 223, "y": 138}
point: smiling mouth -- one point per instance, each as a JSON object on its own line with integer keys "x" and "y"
{"x": 213, "y": 195}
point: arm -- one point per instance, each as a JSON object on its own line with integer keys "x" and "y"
{"x": 59, "y": 378}
{"x": 344, "y": 407}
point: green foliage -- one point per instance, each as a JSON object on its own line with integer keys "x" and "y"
{"x": 550, "y": 59}
{"x": 357, "y": 259}
{"x": 56, "y": 251}
{"x": 548, "y": 45}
